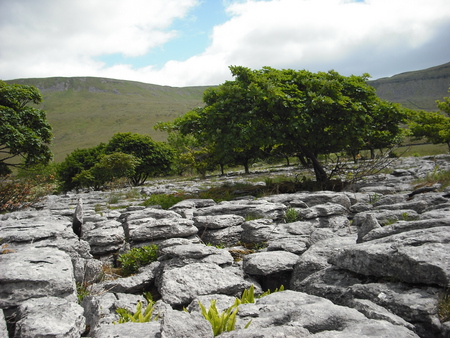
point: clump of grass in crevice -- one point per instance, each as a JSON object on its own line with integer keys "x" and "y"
{"x": 441, "y": 177}
{"x": 444, "y": 306}
{"x": 131, "y": 261}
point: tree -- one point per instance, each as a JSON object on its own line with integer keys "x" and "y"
{"x": 433, "y": 126}
{"x": 155, "y": 158}
{"x": 24, "y": 130}
{"x": 308, "y": 113}
{"x": 76, "y": 162}
{"x": 109, "y": 168}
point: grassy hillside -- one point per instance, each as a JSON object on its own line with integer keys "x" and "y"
{"x": 416, "y": 90}
{"x": 85, "y": 111}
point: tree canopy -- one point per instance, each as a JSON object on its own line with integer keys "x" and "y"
{"x": 304, "y": 112}
{"x": 433, "y": 126}
{"x": 24, "y": 130}
{"x": 155, "y": 158}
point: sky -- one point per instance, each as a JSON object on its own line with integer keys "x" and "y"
{"x": 193, "y": 42}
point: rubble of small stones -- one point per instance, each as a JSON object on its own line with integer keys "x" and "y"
{"x": 372, "y": 261}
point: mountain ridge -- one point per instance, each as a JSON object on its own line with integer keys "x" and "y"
{"x": 85, "y": 111}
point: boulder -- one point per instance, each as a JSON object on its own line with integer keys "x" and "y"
{"x": 150, "y": 229}
{"x": 245, "y": 208}
{"x": 316, "y": 258}
{"x": 184, "y": 324}
{"x": 180, "y": 255}
{"x": 417, "y": 305}
{"x": 128, "y": 330}
{"x": 270, "y": 262}
{"x": 179, "y": 286}
{"x": 106, "y": 237}
{"x": 323, "y": 210}
{"x": 417, "y": 256}
{"x": 218, "y": 221}
{"x": 3, "y": 328}
{"x": 35, "y": 272}
{"x": 50, "y": 317}
{"x": 260, "y": 230}
{"x": 317, "y": 315}
{"x": 137, "y": 283}
{"x": 227, "y": 236}
{"x": 386, "y": 217}
{"x": 403, "y": 226}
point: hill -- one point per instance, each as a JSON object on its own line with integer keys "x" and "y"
{"x": 85, "y": 111}
{"x": 416, "y": 90}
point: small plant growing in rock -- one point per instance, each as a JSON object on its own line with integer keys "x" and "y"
{"x": 226, "y": 321}
{"x": 292, "y": 215}
{"x": 82, "y": 291}
{"x": 132, "y": 260}
{"x": 444, "y": 307}
{"x": 138, "y": 316}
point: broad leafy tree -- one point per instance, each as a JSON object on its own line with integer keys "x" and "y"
{"x": 433, "y": 126}
{"x": 75, "y": 163}
{"x": 25, "y": 134}
{"x": 109, "y": 168}
{"x": 155, "y": 158}
{"x": 308, "y": 113}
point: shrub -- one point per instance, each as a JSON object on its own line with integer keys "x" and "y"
{"x": 132, "y": 260}
{"x": 292, "y": 215}
{"x": 21, "y": 193}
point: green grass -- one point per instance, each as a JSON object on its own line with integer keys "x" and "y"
{"x": 85, "y": 111}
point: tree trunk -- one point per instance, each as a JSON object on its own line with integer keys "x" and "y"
{"x": 247, "y": 171}
{"x": 321, "y": 175}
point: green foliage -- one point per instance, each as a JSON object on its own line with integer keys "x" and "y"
{"x": 267, "y": 109}
{"x": 132, "y": 260}
{"x": 82, "y": 291}
{"x": 155, "y": 158}
{"x": 109, "y": 168}
{"x": 292, "y": 215}
{"x": 433, "y": 126}
{"x": 163, "y": 200}
{"x": 444, "y": 306}
{"x": 226, "y": 321}
{"x": 76, "y": 162}
{"x": 24, "y": 131}
{"x": 138, "y": 316}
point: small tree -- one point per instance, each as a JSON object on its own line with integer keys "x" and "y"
{"x": 155, "y": 158}
{"x": 433, "y": 126}
{"x": 109, "y": 168}
{"x": 76, "y": 162}
{"x": 24, "y": 130}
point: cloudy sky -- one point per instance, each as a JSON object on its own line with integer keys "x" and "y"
{"x": 192, "y": 42}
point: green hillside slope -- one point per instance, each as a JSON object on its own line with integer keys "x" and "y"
{"x": 416, "y": 90}
{"x": 85, "y": 111}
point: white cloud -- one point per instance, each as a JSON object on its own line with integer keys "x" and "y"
{"x": 381, "y": 37}
{"x": 63, "y": 37}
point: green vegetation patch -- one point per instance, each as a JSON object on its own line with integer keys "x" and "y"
{"x": 132, "y": 260}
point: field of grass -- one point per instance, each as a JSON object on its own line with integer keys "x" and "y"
{"x": 86, "y": 111}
